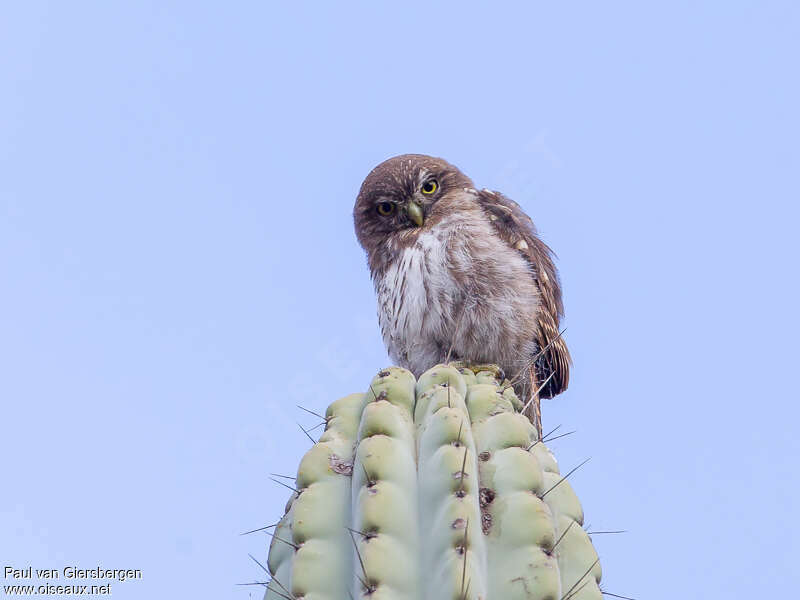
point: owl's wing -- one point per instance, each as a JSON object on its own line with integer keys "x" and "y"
{"x": 517, "y": 229}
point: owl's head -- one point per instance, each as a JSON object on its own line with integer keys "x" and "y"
{"x": 401, "y": 197}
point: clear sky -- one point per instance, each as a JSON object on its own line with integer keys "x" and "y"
{"x": 178, "y": 267}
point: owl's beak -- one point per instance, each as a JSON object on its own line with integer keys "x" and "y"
{"x": 414, "y": 212}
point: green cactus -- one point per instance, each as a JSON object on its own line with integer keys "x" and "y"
{"x": 431, "y": 489}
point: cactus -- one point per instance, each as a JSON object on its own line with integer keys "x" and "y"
{"x": 431, "y": 489}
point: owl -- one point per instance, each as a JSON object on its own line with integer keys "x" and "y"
{"x": 461, "y": 274}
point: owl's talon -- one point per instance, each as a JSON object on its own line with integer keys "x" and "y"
{"x": 478, "y": 368}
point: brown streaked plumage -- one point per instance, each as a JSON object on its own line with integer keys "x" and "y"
{"x": 460, "y": 271}
{"x": 517, "y": 229}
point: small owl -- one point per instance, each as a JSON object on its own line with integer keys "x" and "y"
{"x": 461, "y": 274}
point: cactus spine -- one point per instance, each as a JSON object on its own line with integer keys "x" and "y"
{"x": 431, "y": 489}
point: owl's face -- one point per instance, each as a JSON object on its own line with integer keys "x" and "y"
{"x": 403, "y": 196}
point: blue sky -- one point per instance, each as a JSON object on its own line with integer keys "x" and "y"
{"x": 178, "y": 267}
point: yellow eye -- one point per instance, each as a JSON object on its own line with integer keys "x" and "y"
{"x": 430, "y": 186}
{"x": 386, "y": 208}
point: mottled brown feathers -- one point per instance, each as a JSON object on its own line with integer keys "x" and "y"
{"x": 518, "y": 230}
{"x": 459, "y": 273}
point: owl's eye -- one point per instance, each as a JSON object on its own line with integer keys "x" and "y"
{"x": 385, "y": 209}
{"x": 430, "y": 186}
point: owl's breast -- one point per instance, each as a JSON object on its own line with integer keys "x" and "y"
{"x": 415, "y": 299}
{"x": 459, "y": 287}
